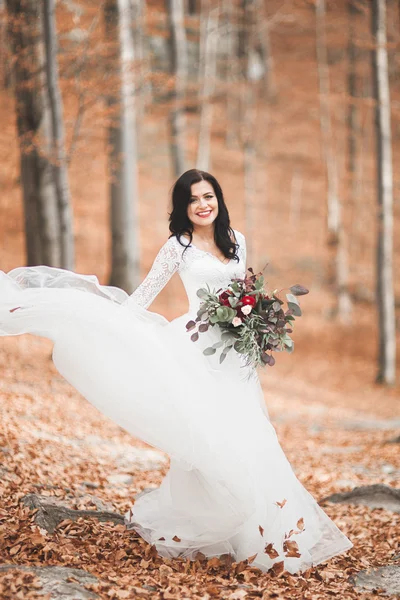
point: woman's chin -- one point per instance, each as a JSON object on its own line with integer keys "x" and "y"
{"x": 199, "y": 222}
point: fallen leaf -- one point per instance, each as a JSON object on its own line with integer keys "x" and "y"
{"x": 270, "y": 550}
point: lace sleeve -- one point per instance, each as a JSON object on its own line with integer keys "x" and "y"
{"x": 166, "y": 263}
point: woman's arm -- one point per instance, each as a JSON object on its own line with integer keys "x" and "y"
{"x": 165, "y": 264}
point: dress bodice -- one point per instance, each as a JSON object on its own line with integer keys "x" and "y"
{"x": 197, "y": 268}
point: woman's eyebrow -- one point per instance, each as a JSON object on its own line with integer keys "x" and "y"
{"x": 205, "y": 194}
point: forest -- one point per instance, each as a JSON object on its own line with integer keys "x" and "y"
{"x": 294, "y": 106}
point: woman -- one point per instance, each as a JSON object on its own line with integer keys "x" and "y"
{"x": 230, "y": 488}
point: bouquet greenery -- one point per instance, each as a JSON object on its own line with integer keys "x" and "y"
{"x": 252, "y": 321}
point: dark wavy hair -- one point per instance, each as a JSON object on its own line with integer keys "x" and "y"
{"x": 180, "y": 224}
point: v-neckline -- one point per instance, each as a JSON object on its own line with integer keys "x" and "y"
{"x": 206, "y": 252}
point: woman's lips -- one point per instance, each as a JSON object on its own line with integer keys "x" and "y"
{"x": 205, "y": 214}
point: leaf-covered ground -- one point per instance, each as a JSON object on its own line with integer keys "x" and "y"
{"x": 54, "y": 443}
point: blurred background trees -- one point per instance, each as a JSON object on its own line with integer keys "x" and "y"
{"x": 294, "y": 106}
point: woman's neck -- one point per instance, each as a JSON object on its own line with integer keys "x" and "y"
{"x": 205, "y": 234}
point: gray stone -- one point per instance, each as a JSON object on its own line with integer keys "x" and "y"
{"x": 120, "y": 479}
{"x": 395, "y": 440}
{"x": 369, "y": 424}
{"x": 55, "y": 581}
{"x": 51, "y": 511}
{"x": 374, "y": 496}
{"x": 384, "y": 579}
{"x": 339, "y": 449}
{"x": 342, "y": 483}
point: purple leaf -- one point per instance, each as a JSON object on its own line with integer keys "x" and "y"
{"x": 190, "y": 325}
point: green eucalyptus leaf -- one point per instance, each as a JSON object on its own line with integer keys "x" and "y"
{"x": 295, "y": 308}
{"x": 222, "y": 313}
{"x": 202, "y": 293}
{"x": 291, "y": 298}
{"x": 231, "y": 313}
{"x": 226, "y": 335}
{"x": 233, "y": 301}
{"x": 209, "y": 351}
{"x": 218, "y": 344}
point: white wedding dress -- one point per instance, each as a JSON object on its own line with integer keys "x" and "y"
{"x": 230, "y": 488}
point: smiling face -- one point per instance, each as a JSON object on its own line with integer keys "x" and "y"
{"x": 202, "y": 209}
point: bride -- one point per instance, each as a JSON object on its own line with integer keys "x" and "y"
{"x": 230, "y": 488}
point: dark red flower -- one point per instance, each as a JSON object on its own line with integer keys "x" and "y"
{"x": 224, "y": 298}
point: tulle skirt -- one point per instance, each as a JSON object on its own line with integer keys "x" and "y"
{"x": 230, "y": 488}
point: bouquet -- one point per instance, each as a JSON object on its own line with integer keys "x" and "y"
{"x": 252, "y": 321}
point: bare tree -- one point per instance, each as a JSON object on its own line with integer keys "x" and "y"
{"x": 192, "y": 7}
{"x": 122, "y": 157}
{"x": 264, "y": 51}
{"x": 384, "y": 262}
{"x": 178, "y": 59}
{"x": 232, "y": 74}
{"x": 42, "y": 227}
{"x": 334, "y": 218}
{"x": 208, "y": 70}
{"x": 249, "y": 101}
{"x": 333, "y": 204}
{"x": 142, "y": 85}
{"x": 60, "y": 167}
{"x": 351, "y": 89}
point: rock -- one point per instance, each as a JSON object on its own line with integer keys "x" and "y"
{"x": 339, "y": 449}
{"x": 56, "y": 584}
{"x": 51, "y": 511}
{"x": 384, "y": 579}
{"x": 343, "y": 483}
{"x": 388, "y": 469}
{"x": 395, "y": 440}
{"x": 367, "y": 424}
{"x": 374, "y": 496}
{"x": 90, "y": 484}
{"x": 120, "y": 479}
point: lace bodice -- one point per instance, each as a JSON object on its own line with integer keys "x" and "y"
{"x": 196, "y": 268}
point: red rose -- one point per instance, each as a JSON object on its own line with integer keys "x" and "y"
{"x": 224, "y": 298}
{"x": 249, "y": 300}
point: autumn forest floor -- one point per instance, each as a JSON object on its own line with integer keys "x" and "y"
{"x": 333, "y": 421}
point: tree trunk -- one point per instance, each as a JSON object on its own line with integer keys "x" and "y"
{"x": 42, "y": 229}
{"x": 248, "y": 40}
{"x": 263, "y": 46}
{"x": 336, "y": 233}
{"x": 333, "y": 205}
{"x": 178, "y": 59}
{"x": 59, "y": 159}
{"x": 209, "y": 18}
{"x": 385, "y": 291}
{"x": 122, "y": 157}
{"x": 351, "y": 91}
{"x": 232, "y": 72}
{"x": 192, "y": 7}
{"x": 142, "y": 85}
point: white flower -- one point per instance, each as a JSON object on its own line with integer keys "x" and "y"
{"x": 237, "y": 321}
{"x": 246, "y": 310}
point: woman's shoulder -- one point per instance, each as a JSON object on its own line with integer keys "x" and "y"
{"x": 239, "y": 236}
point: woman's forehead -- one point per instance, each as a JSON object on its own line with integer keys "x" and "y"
{"x": 201, "y": 188}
